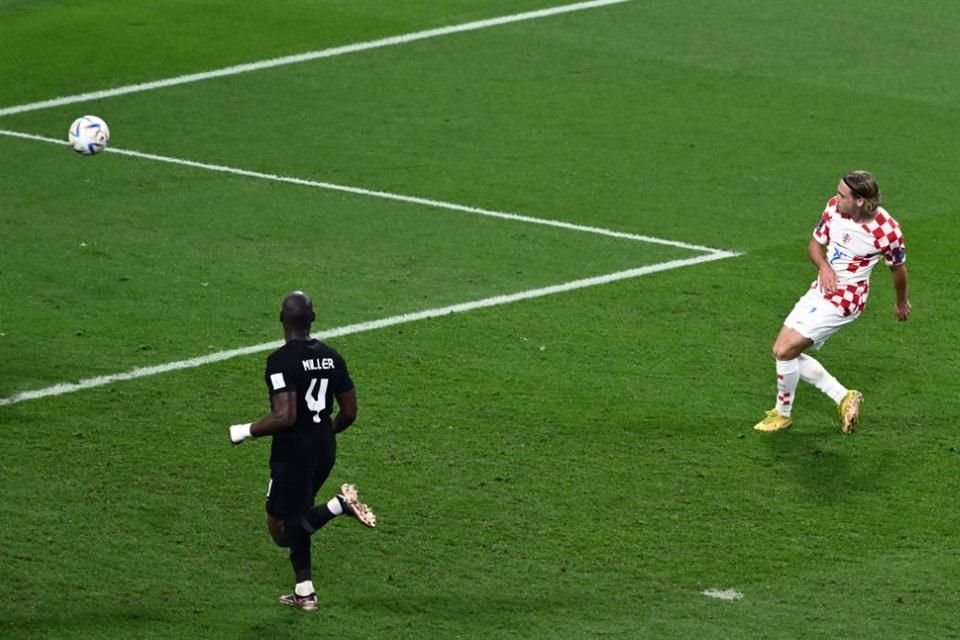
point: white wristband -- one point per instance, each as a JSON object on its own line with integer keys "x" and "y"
{"x": 239, "y": 433}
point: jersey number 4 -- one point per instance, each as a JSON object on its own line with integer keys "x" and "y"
{"x": 318, "y": 402}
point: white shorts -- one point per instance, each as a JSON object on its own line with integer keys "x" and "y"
{"x": 816, "y": 319}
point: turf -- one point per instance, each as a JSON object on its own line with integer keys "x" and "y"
{"x": 575, "y": 465}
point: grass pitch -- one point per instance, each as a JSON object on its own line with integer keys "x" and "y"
{"x": 573, "y": 465}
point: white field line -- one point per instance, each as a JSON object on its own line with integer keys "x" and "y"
{"x": 311, "y": 55}
{"x": 723, "y": 594}
{"x": 89, "y": 383}
{"x": 437, "y": 204}
{"x": 710, "y": 254}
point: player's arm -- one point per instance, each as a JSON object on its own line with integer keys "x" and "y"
{"x": 828, "y": 277}
{"x": 901, "y": 308}
{"x": 283, "y": 415}
{"x": 347, "y": 413}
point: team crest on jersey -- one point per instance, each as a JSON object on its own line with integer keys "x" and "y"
{"x": 847, "y": 238}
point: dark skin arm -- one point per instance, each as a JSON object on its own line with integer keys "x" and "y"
{"x": 347, "y": 401}
{"x": 283, "y": 414}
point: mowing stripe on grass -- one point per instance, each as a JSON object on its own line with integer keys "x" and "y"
{"x": 463, "y": 307}
{"x": 426, "y": 202}
{"x": 310, "y": 55}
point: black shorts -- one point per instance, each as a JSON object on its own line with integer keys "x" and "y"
{"x": 295, "y": 481}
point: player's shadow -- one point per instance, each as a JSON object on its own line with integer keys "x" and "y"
{"x": 825, "y": 474}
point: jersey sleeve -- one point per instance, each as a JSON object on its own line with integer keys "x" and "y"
{"x": 278, "y": 375}
{"x": 821, "y": 233}
{"x": 889, "y": 237}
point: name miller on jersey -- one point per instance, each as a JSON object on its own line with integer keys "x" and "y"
{"x": 318, "y": 364}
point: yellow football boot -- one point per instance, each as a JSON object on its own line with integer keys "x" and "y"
{"x": 849, "y": 410}
{"x": 774, "y": 422}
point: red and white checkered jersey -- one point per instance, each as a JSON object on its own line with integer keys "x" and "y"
{"x": 853, "y": 249}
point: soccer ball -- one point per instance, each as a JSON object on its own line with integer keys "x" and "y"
{"x": 89, "y": 135}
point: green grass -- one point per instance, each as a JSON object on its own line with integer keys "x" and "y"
{"x": 573, "y": 466}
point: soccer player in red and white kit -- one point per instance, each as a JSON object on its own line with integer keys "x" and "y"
{"x": 853, "y": 235}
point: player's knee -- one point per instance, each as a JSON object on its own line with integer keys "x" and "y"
{"x": 783, "y": 351}
{"x": 277, "y": 532}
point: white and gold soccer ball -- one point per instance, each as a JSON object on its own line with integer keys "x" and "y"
{"x": 89, "y": 135}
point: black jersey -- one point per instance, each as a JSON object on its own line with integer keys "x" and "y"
{"x": 315, "y": 372}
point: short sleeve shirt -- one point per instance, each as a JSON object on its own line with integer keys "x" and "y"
{"x": 853, "y": 249}
{"x": 315, "y": 373}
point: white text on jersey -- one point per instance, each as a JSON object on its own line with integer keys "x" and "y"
{"x": 318, "y": 364}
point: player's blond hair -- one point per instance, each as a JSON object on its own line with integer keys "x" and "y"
{"x": 863, "y": 185}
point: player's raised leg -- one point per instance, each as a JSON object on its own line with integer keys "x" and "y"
{"x": 849, "y": 409}
{"x": 812, "y": 372}
{"x": 352, "y": 506}
{"x": 848, "y": 401}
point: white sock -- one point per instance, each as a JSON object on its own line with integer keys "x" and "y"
{"x": 788, "y": 377}
{"x": 813, "y": 372}
{"x": 304, "y": 588}
{"x": 335, "y": 507}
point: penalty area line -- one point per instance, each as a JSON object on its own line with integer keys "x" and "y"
{"x": 463, "y": 307}
{"x": 383, "y": 195}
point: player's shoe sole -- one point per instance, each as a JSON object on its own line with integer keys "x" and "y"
{"x": 355, "y": 508}
{"x": 773, "y": 421}
{"x": 304, "y": 603}
{"x": 849, "y": 409}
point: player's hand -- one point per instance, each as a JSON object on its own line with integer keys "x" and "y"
{"x": 828, "y": 281}
{"x": 901, "y": 310}
{"x": 239, "y": 433}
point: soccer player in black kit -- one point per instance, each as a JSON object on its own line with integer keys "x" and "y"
{"x": 303, "y": 378}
